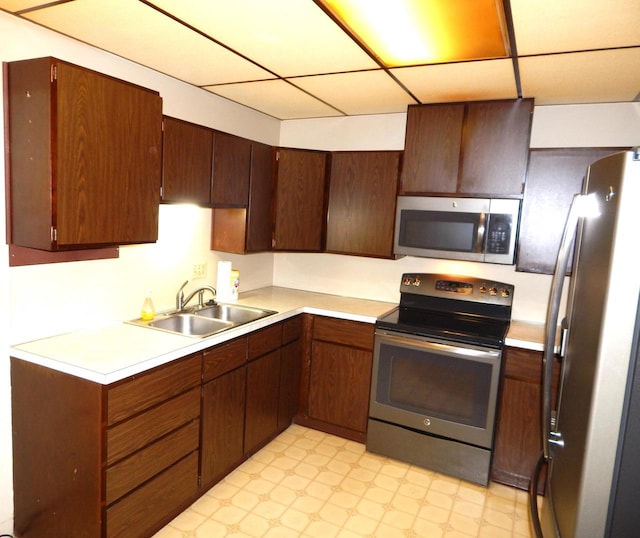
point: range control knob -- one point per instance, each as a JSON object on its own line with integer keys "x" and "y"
{"x": 483, "y": 289}
{"x": 493, "y": 291}
{"x": 504, "y": 292}
{"x": 406, "y": 281}
{"x": 416, "y": 281}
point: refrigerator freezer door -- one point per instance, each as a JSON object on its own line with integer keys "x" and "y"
{"x": 602, "y": 309}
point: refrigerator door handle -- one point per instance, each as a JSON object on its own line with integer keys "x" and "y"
{"x": 581, "y": 205}
{"x": 564, "y": 333}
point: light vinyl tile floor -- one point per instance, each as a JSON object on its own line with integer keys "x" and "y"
{"x": 307, "y": 483}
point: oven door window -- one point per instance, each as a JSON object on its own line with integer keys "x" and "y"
{"x": 436, "y": 386}
{"x": 441, "y": 230}
{"x": 442, "y": 389}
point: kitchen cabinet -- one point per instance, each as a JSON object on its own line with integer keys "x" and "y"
{"x": 337, "y": 375}
{"x": 93, "y": 460}
{"x": 362, "y": 202}
{"x": 553, "y": 178}
{"x": 245, "y": 230}
{"x": 187, "y": 155}
{"x": 476, "y": 148}
{"x": 300, "y": 210}
{"x": 231, "y": 170}
{"x": 131, "y": 455}
{"x": 263, "y": 385}
{"x": 223, "y": 409}
{"x": 85, "y": 157}
{"x": 518, "y": 440}
{"x": 290, "y": 368}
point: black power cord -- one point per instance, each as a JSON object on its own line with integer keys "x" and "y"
{"x": 533, "y": 494}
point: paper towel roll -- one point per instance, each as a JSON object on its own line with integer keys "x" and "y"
{"x": 223, "y": 280}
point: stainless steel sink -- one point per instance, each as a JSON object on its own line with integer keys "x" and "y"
{"x": 190, "y": 325}
{"x": 236, "y": 314}
{"x": 204, "y": 321}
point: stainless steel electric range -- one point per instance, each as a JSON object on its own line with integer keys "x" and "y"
{"x": 436, "y": 373}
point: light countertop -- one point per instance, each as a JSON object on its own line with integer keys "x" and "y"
{"x": 111, "y": 353}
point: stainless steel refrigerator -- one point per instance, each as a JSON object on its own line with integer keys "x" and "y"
{"x": 591, "y": 433}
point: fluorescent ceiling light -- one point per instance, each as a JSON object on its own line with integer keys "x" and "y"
{"x": 413, "y": 32}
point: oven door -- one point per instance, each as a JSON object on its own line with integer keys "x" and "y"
{"x": 443, "y": 389}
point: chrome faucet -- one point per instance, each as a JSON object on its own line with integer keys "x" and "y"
{"x": 181, "y": 302}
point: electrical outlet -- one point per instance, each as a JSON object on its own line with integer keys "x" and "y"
{"x": 199, "y": 270}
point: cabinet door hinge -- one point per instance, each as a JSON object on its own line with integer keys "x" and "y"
{"x": 54, "y": 72}
{"x": 278, "y": 155}
{"x": 54, "y": 234}
{"x": 161, "y": 192}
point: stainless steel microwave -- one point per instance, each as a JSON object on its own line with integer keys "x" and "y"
{"x": 472, "y": 229}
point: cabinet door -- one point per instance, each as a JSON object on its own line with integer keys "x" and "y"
{"x": 362, "y": 202}
{"x": 289, "y": 383}
{"x": 187, "y": 153}
{"x": 432, "y": 149}
{"x": 263, "y": 382}
{"x": 518, "y": 433}
{"x": 495, "y": 147}
{"x": 340, "y": 380}
{"x": 241, "y": 230}
{"x": 299, "y": 203}
{"x": 259, "y": 212}
{"x": 223, "y": 405}
{"x": 231, "y": 167}
{"x": 103, "y": 160}
{"x": 553, "y": 178}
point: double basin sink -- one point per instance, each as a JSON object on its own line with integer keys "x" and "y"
{"x": 204, "y": 321}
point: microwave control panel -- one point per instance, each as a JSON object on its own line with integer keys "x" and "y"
{"x": 498, "y": 238}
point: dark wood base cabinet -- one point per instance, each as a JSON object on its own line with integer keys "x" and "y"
{"x": 518, "y": 436}
{"x": 122, "y": 460}
{"x": 336, "y": 377}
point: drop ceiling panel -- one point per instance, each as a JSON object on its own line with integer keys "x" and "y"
{"x": 276, "y": 98}
{"x": 575, "y": 25}
{"x": 365, "y": 92}
{"x": 468, "y": 81}
{"x": 242, "y": 49}
{"x": 135, "y": 31}
{"x": 18, "y": 5}
{"x": 583, "y": 77}
{"x": 288, "y": 37}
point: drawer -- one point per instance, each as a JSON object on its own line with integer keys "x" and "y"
{"x": 140, "y": 513}
{"x": 265, "y": 340}
{"x": 224, "y": 358}
{"x": 148, "y": 389}
{"x": 129, "y": 473}
{"x": 291, "y": 329}
{"x": 346, "y": 332}
{"x": 137, "y": 432}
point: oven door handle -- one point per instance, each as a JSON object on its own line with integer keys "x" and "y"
{"x": 442, "y": 348}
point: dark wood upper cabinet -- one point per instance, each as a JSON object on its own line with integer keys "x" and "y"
{"x": 231, "y": 171}
{"x": 432, "y": 148}
{"x": 300, "y": 200}
{"x": 85, "y": 157}
{"x": 477, "y": 148}
{"x": 362, "y": 202}
{"x": 187, "y": 155}
{"x": 553, "y": 178}
{"x": 241, "y": 230}
{"x": 495, "y": 147}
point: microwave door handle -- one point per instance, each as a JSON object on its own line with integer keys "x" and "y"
{"x": 483, "y": 223}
